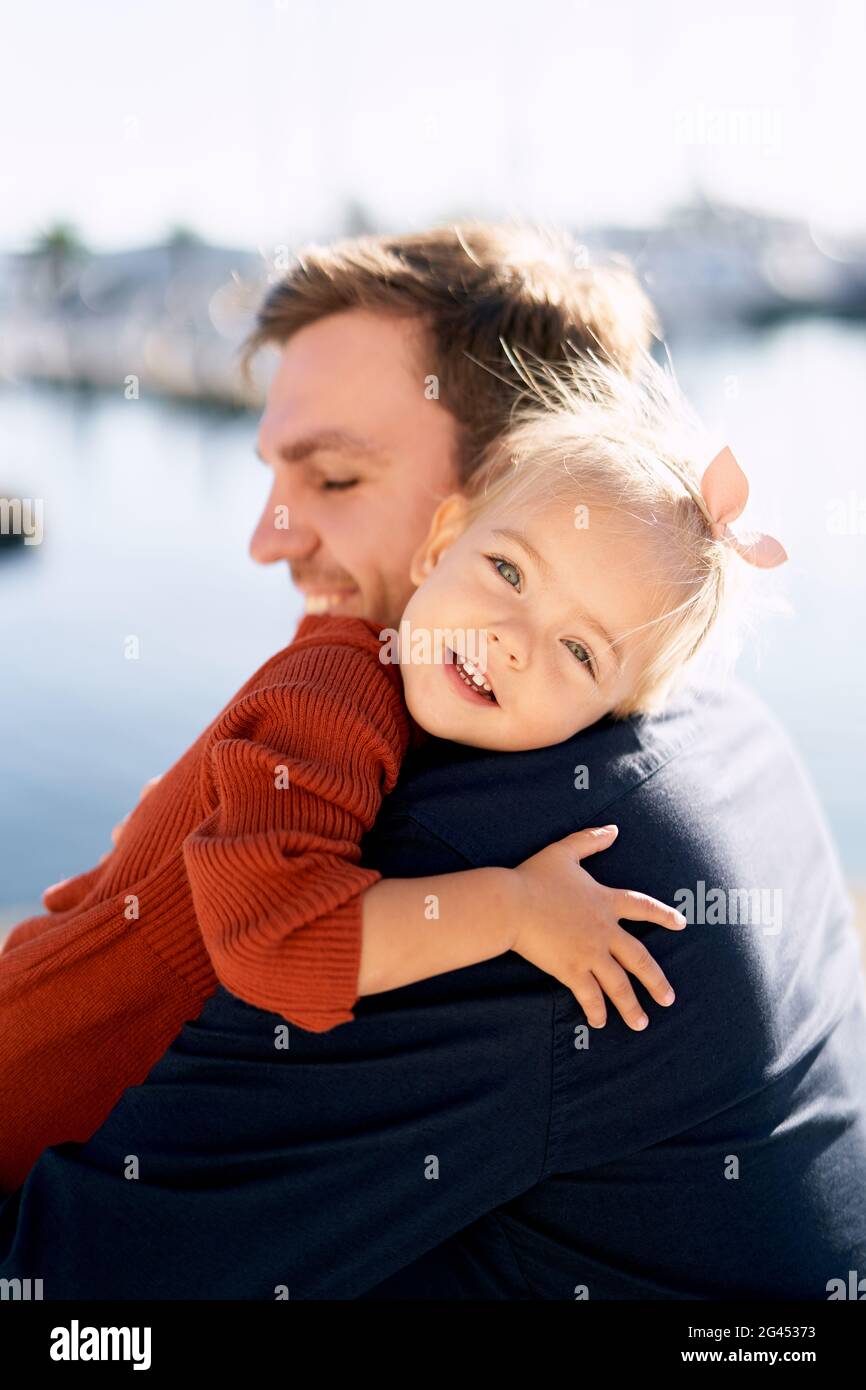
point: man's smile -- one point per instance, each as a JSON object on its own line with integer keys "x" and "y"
{"x": 323, "y": 596}
{"x": 325, "y": 602}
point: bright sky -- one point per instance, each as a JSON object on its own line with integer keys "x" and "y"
{"x": 254, "y": 120}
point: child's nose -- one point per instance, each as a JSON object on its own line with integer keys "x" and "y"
{"x": 511, "y": 646}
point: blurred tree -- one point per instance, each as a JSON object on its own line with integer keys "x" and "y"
{"x": 58, "y": 248}
{"x": 356, "y": 219}
{"x": 181, "y": 237}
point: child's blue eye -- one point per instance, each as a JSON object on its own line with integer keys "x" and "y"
{"x": 583, "y": 655}
{"x": 496, "y": 561}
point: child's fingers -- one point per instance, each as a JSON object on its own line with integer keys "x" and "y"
{"x": 591, "y": 1000}
{"x": 116, "y": 833}
{"x": 118, "y": 830}
{"x": 617, "y": 986}
{"x": 583, "y": 843}
{"x": 69, "y": 892}
{"x": 640, "y": 907}
{"x": 634, "y": 957}
{"x": 53, "y": 891}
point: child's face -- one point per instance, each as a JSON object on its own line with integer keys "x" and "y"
{"x": 552, "y": 629}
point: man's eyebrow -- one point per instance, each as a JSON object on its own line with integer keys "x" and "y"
{"x": 546, "y": 569}
{"x": 334, "y": 441}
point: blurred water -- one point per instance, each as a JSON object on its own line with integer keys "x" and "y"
{"x": 148, "y": 510}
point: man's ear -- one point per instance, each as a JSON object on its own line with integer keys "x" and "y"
{"x": 449, "y": 522}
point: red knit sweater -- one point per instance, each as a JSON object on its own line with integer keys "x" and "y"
{"x": 241, "y": 866}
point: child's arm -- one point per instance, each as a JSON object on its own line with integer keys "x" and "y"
{"x": 292, "y": 776}
{"x": 70, "y": 892}
{"x": 548, "y": 909}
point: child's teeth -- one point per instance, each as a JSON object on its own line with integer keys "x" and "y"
{"x": 471, "y": 674}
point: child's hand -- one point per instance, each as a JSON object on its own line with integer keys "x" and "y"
{"x": 569, "y": 928}
{"x": 60, "y": 897}
{"x": 118, "y": 830}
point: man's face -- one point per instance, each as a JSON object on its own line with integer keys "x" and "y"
{"x": 359, "y": 459}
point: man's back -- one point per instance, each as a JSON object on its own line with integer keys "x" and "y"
{"x": 723, "y": 1150}
{"x": 465, "y": 1136}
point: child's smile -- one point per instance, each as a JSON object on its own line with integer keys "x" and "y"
{"x": 558, "y": 621}
{"x": 471, "y": 677}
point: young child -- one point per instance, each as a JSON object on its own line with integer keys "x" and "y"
{"x": 583, "y": 570}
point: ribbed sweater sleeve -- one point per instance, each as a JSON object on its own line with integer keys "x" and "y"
{"x": 59, "y": 898}
{"x": 293, "y": 775}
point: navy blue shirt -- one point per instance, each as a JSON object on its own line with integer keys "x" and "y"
{"x": 722, "y": 1151}
{"x": 467, "y": 1136}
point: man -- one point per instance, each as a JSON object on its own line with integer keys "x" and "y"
{"x": 467, "y": 1136}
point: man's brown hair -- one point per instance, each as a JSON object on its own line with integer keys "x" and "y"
{"x": 485, "y": 294}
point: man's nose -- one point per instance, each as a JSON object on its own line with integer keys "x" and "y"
{"x": 281, "y": 532}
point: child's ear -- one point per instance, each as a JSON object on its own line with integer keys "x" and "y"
{"x": 449, "y": 522}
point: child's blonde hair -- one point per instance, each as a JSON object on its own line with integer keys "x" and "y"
{"x": 584, "y": 433}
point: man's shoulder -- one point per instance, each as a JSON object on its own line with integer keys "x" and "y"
{"x": 468, "y": 796}
{"x": 716, "y": 816}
